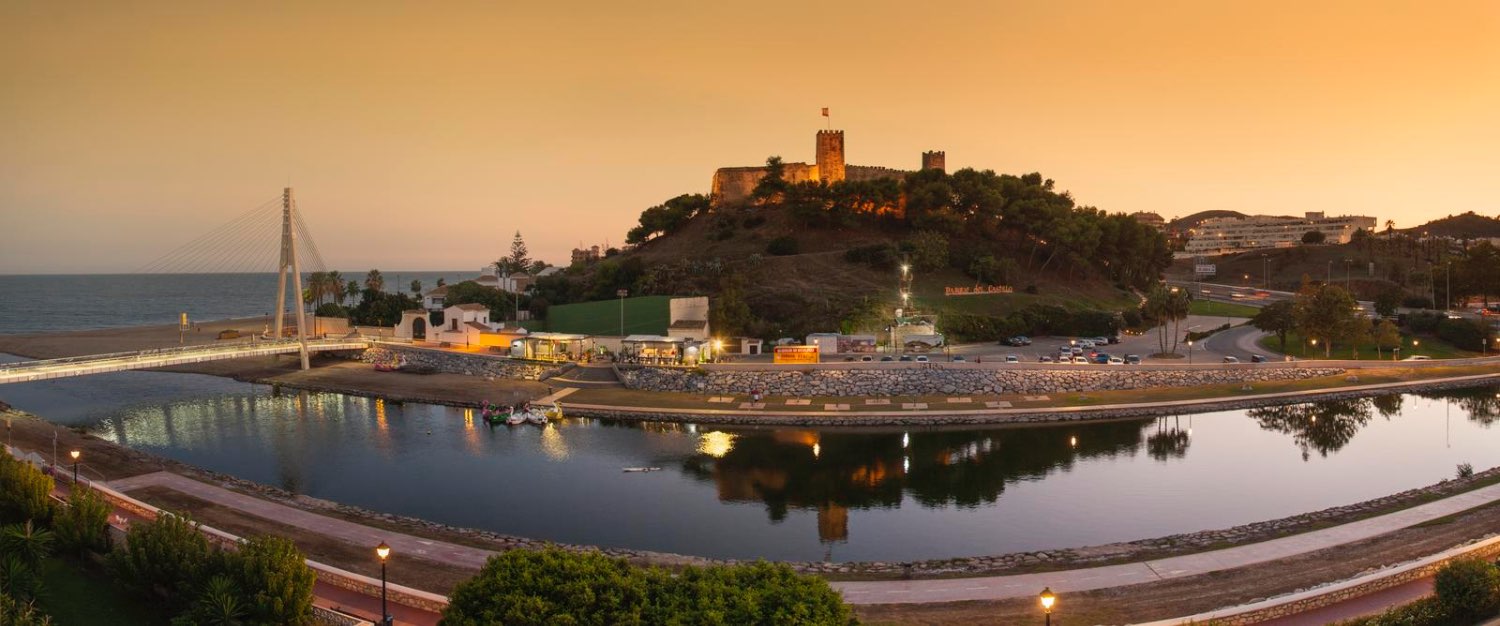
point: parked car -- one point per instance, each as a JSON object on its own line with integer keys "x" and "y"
{"x": 867, "y": 358}
{"x": 1132, "y": 359}
{"x": 1011, "y": 358}
{"x": 904, "y": 357}
{"x": 1076, "y": 351}
{"x": 1417, "y": 357}
{"x": 1085, "y": 343}
{"x": 1231, "y": 359}
{"x": 1103, "y": 341}
{"x": 1102, "y": 358}
{"x": 1041, "y": 359}
{"x": 959, "y": 358}
{"x": 886, "y": 358}
{"x": 1078, "y": 360}
{"x": 1258, "y": 358}
{"x": 921, "y": 358}
{"x": 1018, "y": 340}
{"x": 849, "y": 359}
{"x": 1114, "y": 360}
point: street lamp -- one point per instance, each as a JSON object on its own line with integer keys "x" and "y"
{"x": 622, "y": 293}
{"x": 1048, "y": 599}
{"x": 75, "y": 454}
{"x": 383, "y": 551}
{"x": 1190, "y": 352}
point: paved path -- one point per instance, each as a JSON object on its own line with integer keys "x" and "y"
{"x": 1024, "y": 585}
{"x": 1369, "y": 604}
{"x": 357, "y": 534}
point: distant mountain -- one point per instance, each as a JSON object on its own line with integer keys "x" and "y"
{"x": 1469, "y": 225}
{"x": 1192, "y": 221}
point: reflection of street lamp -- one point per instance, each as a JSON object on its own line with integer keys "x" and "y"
{"x": 1048, "y": 599}
{"x": 383, "y": 551}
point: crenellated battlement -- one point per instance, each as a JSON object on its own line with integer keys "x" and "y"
{"x": 733, "y": 185}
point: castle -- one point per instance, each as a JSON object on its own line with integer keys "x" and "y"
{"x": 733, "y": 185}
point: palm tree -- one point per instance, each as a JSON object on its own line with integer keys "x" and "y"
{"x": 416, "y": 287}
{"x": 351, "y": 290}
{"x": 313, "y": 290}
{"x": 219, "y": 604}
{"x": 374, "y": 281}
{"x": 334, "y": 286}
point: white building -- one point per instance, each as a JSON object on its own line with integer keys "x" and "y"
{"x": 1228, "y": 235}
{"x": 433, "y": 299}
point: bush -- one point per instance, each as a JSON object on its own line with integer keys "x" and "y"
{"x": 881, "y": 256}
{"x": 1462, "y": 333}
{"x": 1468, "y": 588}
{"x": 14, "y": 612}
{"x": 1423, "y": 321}
{"x": 331, "y": 309}
{"x": 24, "y": 490}
{"x": 83, "y": 525}
{"x": 1465, "y": 470}
{"x": 553, "y": 586}
{"x": 782, "y": 246}
{"x": 549, "y": 586}
{"x": 1424, "y": 612}
{"x": 929, "y": 250}
{"x": 274, "y": 578}
{"x": 166, "y": 557}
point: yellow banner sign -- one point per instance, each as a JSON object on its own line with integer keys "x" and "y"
{"x": 795, "y": 354}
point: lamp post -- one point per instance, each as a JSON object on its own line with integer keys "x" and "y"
{"x": 1190, "y": 352}
{"x": 1265, "y": 266}
{"x": 383, "y": 551}
{"x": 75, "y": 454}
{"x": 622, "y": 293}
{"x": 1315, "y": 343}
{"x": 1048, "y": 599}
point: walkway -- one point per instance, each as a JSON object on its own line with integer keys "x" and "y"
{"x": 350, "y": 532}
{"x": 27, "y": 371}
{"x": 1023, "y": 585}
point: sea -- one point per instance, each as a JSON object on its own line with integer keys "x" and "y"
{"x": 34, "y": 303}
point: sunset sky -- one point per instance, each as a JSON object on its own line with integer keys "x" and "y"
{"x": 423, "y": 135}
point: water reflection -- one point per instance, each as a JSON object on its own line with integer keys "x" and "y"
{"x": 1169, "y": 440}
{"x": 1482, "y": 404}
{"x": 1325, "y": 426}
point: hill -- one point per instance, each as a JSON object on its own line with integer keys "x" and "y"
{"x": 1192, "y": 221}
{"x": 818, "y": 257}
{"x": 1468, "y": 225}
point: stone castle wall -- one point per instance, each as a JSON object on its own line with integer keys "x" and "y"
{"x": 928, "y": 380}
{"x": 733, "y": 185}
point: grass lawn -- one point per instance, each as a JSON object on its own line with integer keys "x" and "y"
{"x": 1223, "y": 309}
{"x": 1427, "y": 346}
{"x": 82, "y": 594}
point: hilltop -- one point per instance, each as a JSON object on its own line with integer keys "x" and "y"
{"x": 810, "y": 257}
{"x": 1468, "y": 225}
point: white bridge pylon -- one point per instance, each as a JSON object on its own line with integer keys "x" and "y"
{"x": 290, "y": 264}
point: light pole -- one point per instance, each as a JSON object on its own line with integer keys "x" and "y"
{"x": 622, "y": 293}
{"x": 383, "y": 551}
{"x": 1190, "y": 352}
{"x": 1265, "y": 266}
{"x": 75, "y": 454}
{"x": 1048, "y": 599}
{"x": 1315, "y": 343}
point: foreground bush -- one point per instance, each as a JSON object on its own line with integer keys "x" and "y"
{"x": 273, "y": 576}
{"x": 25, "y": 490}
{"x": 83, "y": 525}
{"x": 14, "y": 612}
{"x": 167, "y": 557}
{"x": 1468, "y": 588}
{"x": 554, "y": 586}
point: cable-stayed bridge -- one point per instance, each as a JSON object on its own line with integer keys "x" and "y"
{"x": 245, "y": 243}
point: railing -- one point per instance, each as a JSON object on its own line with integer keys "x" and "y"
{"x": 205, "y": 349}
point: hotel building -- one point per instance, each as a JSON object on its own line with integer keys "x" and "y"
{"x": 1227, "y": 235}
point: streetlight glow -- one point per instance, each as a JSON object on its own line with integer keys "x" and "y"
{"x": 74, "y": 454}
{"x": 1048, "y": 599}
{"x": 383, "y": 551}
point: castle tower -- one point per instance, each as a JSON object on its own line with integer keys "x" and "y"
{"x": 831, "y": 155}
{"x": 934, "y": 160}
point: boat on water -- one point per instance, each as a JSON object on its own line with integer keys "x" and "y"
{"x": 554, "y": 413}
{"x": 630, "y": 470}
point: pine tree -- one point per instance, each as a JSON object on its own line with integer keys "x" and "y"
{"x": 518, "y": 260}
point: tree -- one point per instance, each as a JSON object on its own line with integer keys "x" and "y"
{"x": 442, "y": 282}
{"x": 1386, "y": 336}
{"x": 518, "y": 261}
{"x": 929, "y": 250}
{"x": 166, "y": 556}
{"x": 14, "y": 612}
{"x": 24, "y": 490}
{"x": 773, "y": 186}
{"x": 28, "y": 541}
{"x": 1313, "y": 237}
{"x": 351, "y": 290}
{"x": 757, "y": 593}
{"x": 83, "y": 525}
{"x": 1165, "y": 305}
{"x": 416, "y": 288}
{"x": 730, "y": 315}
{"x": 1278, "y": 317}
{"x": 1388, "y": 300}
{"x": 1325, "y": 313}
{"x": 374, "y": 281}
{"x": 1468, "y": 589}
{"x": 220, "y": 604}
{"x": 273, "y": 575}
{"x": 550, "y": 586}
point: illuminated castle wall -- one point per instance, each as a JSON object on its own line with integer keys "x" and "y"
{"x": 733, "y": 185}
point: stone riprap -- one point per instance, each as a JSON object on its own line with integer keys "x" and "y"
{"x": 936, "y": 380}
{"x": 465, "y": 364}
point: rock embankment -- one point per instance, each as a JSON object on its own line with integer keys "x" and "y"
{"x": 465, "y": 364}
{"x": 936, "y": 380}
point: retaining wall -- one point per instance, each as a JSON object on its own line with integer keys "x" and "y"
{"x": 940, "y": 379}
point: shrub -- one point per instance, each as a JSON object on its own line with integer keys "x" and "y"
{"x": 929, "y": 250}
{"x": 14, "y": 612}
{"x": 1424, "y": 612}
{"x": 331, "y": 309}
{"x": 19, "y": 579}
{"x": 274, "y": 578}
{"x": 165, "y": 556}
{"x": 880, "y": 256}
{"x": 1465, "y": 470}
{"x": 30, "y": 543}
{"x": 83, "y": 525}
{"x": 553, "y": 586}
{"x": 24, "y": 490}
{"x": 220, "y": 603}
{"x": 782, "y": 246}
{"x": 548, "y": 586}
{"x": 1468, "y": 588}
{"x": 1462, "y": 333}
{"x": 1423, "y": 322}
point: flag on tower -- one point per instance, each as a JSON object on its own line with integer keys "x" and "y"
{"x": 825, "y": 111}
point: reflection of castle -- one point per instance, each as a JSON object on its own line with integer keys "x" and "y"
{"x": 734, "y": 184}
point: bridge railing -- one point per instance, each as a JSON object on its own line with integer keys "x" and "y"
{"x": 235, "y": 346}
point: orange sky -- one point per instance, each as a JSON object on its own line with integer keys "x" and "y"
{"x": 422, "y": 135}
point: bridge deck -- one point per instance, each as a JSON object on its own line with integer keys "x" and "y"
{"x": 28, "y": 371}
